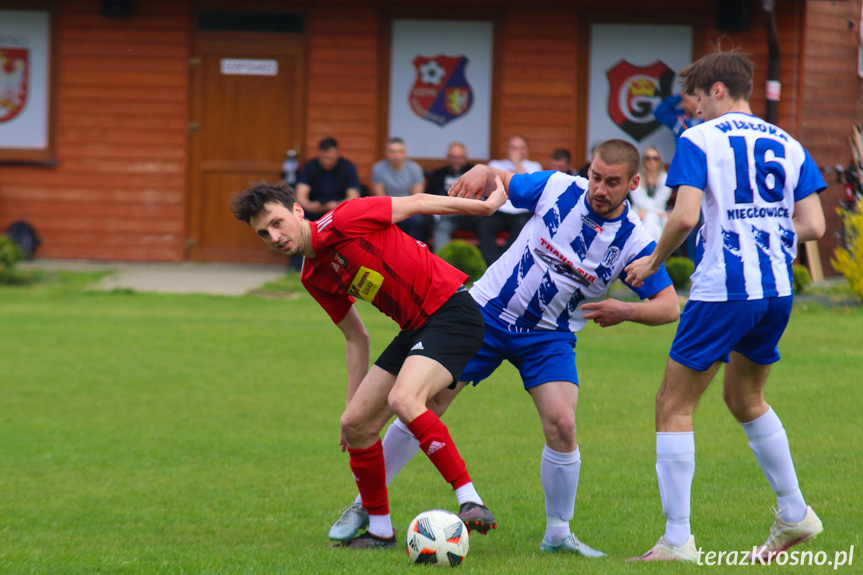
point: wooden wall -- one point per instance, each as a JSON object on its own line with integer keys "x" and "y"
{"x": 832, "y": 100}
{"x": 344, "y": 87}
{"x": 789, "y": 25}
{"x": 119, "y": 187}
{"x": 542, "y": 62}
{"x": 119, "y": 190}
{"x": 538, "y": 81}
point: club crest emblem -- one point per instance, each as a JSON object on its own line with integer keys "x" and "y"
{"x": 440, "y": 93}
{"x": 14, "y": 72}
{"x": 611, "y": 255}
{"x": 633, "y": 94}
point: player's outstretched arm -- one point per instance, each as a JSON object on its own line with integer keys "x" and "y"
{"x": 809, "y": 218}
{"x": 357, "y": 343}
{"x": 683, "y": 218}
{"x": 479, "y": 181}
{"x": 408, "y": 206}
{"x": 660, "y": 308}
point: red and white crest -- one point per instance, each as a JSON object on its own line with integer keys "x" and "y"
{"x": 633, "y": 94}
{"x": 14, "y": 74}
{"x": 441, "y": 92}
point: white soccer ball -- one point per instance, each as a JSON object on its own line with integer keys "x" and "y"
{"x": 437, "y": 537}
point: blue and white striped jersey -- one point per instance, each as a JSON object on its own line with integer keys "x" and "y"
{"x": 751, "y": 173}
{"x": 564, "y": 256}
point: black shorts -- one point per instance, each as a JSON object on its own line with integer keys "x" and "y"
{"x": 451, "y": 336}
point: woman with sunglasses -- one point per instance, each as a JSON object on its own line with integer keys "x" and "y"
{"x": 650, "y": 198}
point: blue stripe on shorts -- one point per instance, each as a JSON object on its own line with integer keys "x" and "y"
{"x": 709, "y": 331}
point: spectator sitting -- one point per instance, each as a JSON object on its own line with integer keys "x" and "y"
{"x": 397, "y": 176}
{"x": 439, "y": 184}
{"x": 561, "y": 161}
{"x": 326, "y": 181}
{"x": 650, "y": 198}
{"x": 508, "y": 218}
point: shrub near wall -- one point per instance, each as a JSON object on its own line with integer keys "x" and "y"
{"x": 10, "y": 255}
{"x": 802, "y": 278}
{"x": 679, "y": 269}
{"x": 849, "y": 260}
{"x": 464, "y": 257}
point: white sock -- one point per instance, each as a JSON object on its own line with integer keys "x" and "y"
{"x": 381, "y": 525}
{"x": 769, "y": 443}
{"x": 675, "y": 467}
{"x": 399, "y": 446}
{"x": 467, "y": 492}
{"x": 559, "y": 473}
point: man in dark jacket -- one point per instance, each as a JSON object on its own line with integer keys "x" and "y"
{"x": 439, "y": 184}
{"x": 326, "y": 181}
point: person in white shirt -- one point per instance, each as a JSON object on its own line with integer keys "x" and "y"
{"x": 508, "y": 218}
{"x": 758, "y": 189}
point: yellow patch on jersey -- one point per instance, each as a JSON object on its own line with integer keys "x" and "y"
{"x": 366, "y": 284}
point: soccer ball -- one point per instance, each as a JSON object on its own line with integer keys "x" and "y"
{"x": 437, "y": 537}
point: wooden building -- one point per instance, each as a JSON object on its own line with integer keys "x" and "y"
{"x": 149, "y": 137}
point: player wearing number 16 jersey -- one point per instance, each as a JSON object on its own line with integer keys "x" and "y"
{"x": 748, "y": 243}
{"x": 758, "y": 189}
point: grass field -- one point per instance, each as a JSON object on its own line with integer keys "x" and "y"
{"x": 145, "y": 433}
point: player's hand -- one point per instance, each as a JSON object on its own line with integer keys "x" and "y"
{"x": 640, "y": 270}
{"x": 471, "y": 184}
{"x": 342, "y": 443}
{"x": 497, "y": 198}
{"x": 606, "y": 312}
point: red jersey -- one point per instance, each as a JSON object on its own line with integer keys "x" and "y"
{"x": 360, "y": 253}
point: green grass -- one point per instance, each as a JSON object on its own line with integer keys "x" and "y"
{"x": 146, "y": 433}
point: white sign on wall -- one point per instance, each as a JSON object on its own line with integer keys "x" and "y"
{"x": 632, "y": 68}
{"x": 238, "y": 67}
{"x": 440, "y": 86}
{"x": 24, "y": 79}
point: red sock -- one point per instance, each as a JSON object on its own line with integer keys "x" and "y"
{"x": 370, "y": 474}
{"x": 436, "y": 442}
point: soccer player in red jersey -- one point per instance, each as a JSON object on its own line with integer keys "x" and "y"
{"x": 357, "y": 251}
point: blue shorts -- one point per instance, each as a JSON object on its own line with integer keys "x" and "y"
{"x": 539, "y": 356}
{"x": 710, "y": 330}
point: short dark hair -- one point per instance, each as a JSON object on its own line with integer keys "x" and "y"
{"x": 731, "y": 67}
{"x": 250, "y": 202}
{"x": 619, "y": 152}
{"x": 395, "y": 140}
{"x": 328, "y": 144}
{"x": 562, "y": 154}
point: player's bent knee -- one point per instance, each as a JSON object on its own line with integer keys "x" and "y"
{"x": 560, "y": 432}
{"x": 346, "y": 424}
{"x": 354, "y": 430}
{"x": 669, "y": 402}
{"x": 745, "y": 407}
{"x": 406, "y": 405}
